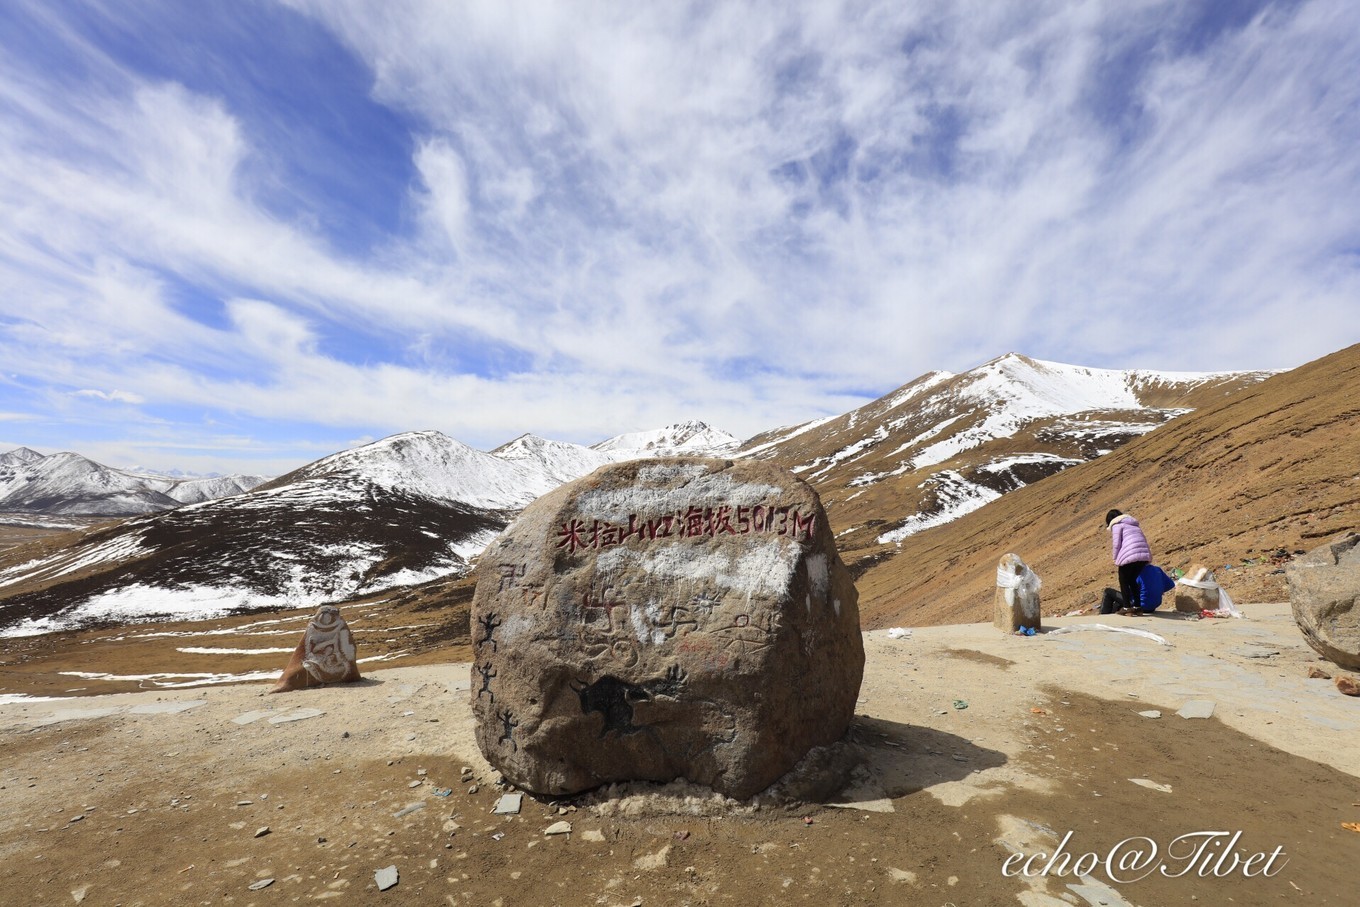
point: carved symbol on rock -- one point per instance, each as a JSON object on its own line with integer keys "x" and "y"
{"x": 533, "y": 594}
{"x": 510, "y": 574}
{"x": 600, "y": 634}
{"x": 705, "y": 602}
{"x": 508, "y": 723}
{"x": 488, "y": 673}
{"x": 743, "y": 637}
{"x": 489, "y": 624}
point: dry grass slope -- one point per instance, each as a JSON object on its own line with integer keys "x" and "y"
{"x": 1272, "y": 466}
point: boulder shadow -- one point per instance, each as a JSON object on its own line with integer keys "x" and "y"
{"x": 897, "y": 760}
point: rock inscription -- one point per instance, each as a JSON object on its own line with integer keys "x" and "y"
{"x": 663, "y": 619}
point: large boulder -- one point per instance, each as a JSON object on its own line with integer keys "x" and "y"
{"x": 1324, "y": 591}
{"x": 664, "y": 619}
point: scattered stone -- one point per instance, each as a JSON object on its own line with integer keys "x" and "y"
{"x": 558, "y": 828}
{"x": 407, "y": 810}
{"x": 1151, "y": 713}
{"x": 1153, "y": 785}
{"x": 593, "y": 835}
{"x": 416, "y": 783}
{"x": 387, "y": 877}
{"x": 245, "y": 802}
{"x": 1316, "y": 673}
{"x": 642, "y": 623}
{"x": 260, "y": 885}
{"x": 252, "y": 716}
{"x": 78, "y": 894}
{"x": 262, "y": 831}
{"x": 166, "y": 708}
{"x": 658, "y": 860}
{"x": 1016, "y": 603}
{"x": 1348, "y": 685}
{"x": 509, "y": 805}
{"x": 1324, "y": 593}
{"x": 1197, "y": 708}
{"x": 326, "y": 654}
{"x": 296, "y": 715}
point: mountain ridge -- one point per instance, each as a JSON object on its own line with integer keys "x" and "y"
{"x": 418, "y": 506}
{"x": 69, "y": 484}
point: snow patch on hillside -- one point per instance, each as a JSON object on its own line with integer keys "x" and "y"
{"x": 957, "y": 496}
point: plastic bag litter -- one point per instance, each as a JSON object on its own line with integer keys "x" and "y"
{"x": 1145, "y": 634}
{"x": 1027, "y": 581}
{"x": 1226, "y": 608}
{"x": 899, "y": 633}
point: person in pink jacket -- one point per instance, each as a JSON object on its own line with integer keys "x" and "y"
{"x": 1131, "y": 551}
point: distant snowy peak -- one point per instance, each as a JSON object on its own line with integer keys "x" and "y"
{"x": 428, "y": 464}
{"x": 70, "y": 484}
{"x": 19, "y": 456}
{"x": 691, "y": 438}
{"x": 196, "y": 491}
{"x": 560, "y": 460}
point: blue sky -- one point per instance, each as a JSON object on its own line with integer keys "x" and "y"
{"x": 241, "y": 236}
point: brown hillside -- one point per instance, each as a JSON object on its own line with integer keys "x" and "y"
{"x": 1271, "y": 466}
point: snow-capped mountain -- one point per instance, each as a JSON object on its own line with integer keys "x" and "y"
{"x": 945, "y": 444}
{"x": 419, "y": 506}
{"x": 404, "y": 510}
{"x": 408, "y": 509}
{"x": 429, "y": 464}
{"x": 692, "y": 439}
{"x": 68, "y": 484}
{"x": 562, "y": 461}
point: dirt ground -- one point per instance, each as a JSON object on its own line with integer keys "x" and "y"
{"x": 981, "y": 746}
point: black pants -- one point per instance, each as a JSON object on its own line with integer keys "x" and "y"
{"x": 1128, "y": 583}
{"x": 1112, "y": 602}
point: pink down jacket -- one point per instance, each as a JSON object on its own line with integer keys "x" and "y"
{"x": 1130, "y": 544}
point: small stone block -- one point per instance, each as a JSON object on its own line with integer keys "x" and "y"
{"x": 1197, "y": 708}
{"x": 558, "y": 828}
{"x": 249, "y": 717}
{"x": 387, "y": 877}
{"x": 296, "y": 715}
{"x": 509, "y": 805}
{"x": 1151, "y": 713}
{"x": 260, "y": 885}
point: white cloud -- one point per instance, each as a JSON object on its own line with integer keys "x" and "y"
{"x": 616, "y": 215}
{"x": 114, "y": 396}
{"x": 445, "y": 179}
